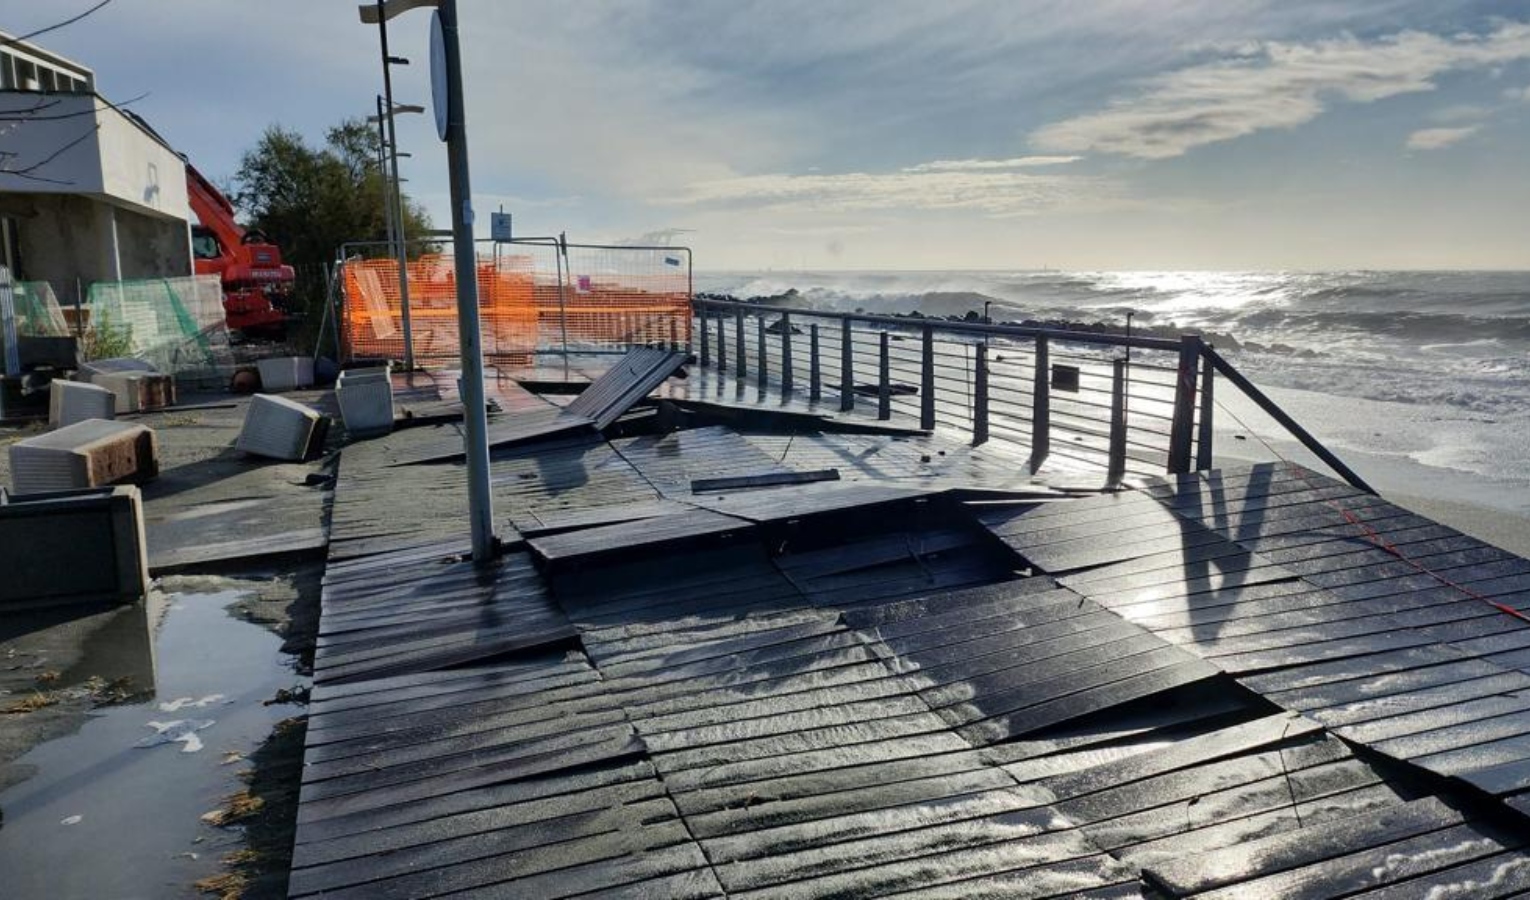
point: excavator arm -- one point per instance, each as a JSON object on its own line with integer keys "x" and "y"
{"x": 255, "y": 282}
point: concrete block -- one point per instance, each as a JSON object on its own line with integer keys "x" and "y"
{"x": 366, "y": 400}
{"x": 138, "y": 391}
{"x": 285, "y": 373}
{"x": 281, "y": 429}
{"x": 75, "y": 401}
{"x": 72, "y": 547}
{"x": 86, "y": 454}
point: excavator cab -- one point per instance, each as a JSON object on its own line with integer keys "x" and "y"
{"x": 257, "y": 286}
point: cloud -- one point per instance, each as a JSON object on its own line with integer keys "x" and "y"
{"x": 1518, "y": 95}
{"x": 984, "y": 190}
{"x": 1437, "y": 138}
{"x": 970, "y": 165}
{"x": 1275, "y": 85}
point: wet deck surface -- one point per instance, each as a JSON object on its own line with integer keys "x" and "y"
{"x": 936, "y": 676}
{"x": 935, "y": 673}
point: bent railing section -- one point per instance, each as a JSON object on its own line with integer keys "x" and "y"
{"x": 1140, "y": 404}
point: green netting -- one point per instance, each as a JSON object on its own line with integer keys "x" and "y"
{"x": 37, "y": 311}
{"x": 177, "y": 324}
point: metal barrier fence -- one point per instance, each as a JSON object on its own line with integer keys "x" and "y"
{"x": 1138, "y": 404}
{"x": 38, "y": 313}
{"x": 177, "y": 324}
{"x": 371, "y": 317}
{"x": 535, "y": 295}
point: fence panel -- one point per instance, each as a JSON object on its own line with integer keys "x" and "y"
{"x": 177, "y": 324}
{"x": 534, "y": 297}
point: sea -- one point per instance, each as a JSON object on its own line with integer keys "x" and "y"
{"x": 1420, "y": 380}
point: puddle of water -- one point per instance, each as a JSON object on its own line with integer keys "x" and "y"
{"x": 114, "y": 810}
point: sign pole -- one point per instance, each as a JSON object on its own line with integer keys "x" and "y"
{"x": 446, "y": 87}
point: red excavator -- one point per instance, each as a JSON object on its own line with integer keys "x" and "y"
{"x": 257, "y": 288}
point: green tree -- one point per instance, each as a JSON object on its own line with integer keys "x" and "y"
{"x": 309, "y": 200}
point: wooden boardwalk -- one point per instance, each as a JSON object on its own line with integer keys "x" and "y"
{"x": 932, "y": 677}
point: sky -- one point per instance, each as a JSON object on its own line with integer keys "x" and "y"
{"x": 885, "y": 134}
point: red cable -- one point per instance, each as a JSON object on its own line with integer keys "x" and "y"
{"x": 1368, "y": 532}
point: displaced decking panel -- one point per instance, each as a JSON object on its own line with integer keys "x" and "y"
{"x": 380, "y": 619}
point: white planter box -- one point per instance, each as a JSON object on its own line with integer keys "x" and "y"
{"x": 280, "y": 428}
{"x": 366, "y": 400}
{"x": 72, "y": 547}
{"x": 70, "y": 402}
{"x": 138, "y": 391}
{"x": 83, "y": 455}
{"x": 285, "y": 373}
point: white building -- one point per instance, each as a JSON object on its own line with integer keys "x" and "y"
{"x": 87, "y": 191}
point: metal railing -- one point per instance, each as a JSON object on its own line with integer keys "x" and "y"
{"x": 1138, "y": 404}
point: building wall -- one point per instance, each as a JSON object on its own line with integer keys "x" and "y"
{"x": 151, "y": 247}
{"x": 107, "y": 202}
{"x": 140, "y": 171}
{"x": 86, "y": 147}
{"x": 72, "y": 241}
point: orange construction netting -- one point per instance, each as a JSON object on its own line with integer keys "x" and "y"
{"x": 528, "y": 302}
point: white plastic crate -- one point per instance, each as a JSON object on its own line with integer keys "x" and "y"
{"x": 366, "y": 400}
{"x": 285, "y": 373}
{"x": 279, "y": 428}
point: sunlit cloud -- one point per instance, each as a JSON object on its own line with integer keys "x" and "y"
{"x": 1437, "y": 138}
{"x": 1275, "y": 86}
{"x": 991, "y": 191}
{"x": 969, "y": 165}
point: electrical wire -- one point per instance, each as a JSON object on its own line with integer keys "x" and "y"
{"x": 70, "y": 21}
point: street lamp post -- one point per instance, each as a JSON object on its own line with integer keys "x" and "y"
{"x": 382, "y": 167}
{"x": 401, "y": 248}
{"x": 446, "y": 75}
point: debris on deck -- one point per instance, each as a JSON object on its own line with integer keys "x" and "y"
{"x": 280, "y": 428}
{"x": 72, "y": 547}
{"x": 92, "y": 453}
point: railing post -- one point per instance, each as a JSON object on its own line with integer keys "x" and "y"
{"x": 762, "y": 363}
{"x": 815, "y": 376}
{"x": 1182, "y": 428}
{"x": 674, "y": 336}
{"x": 1041, "y": 405}
{"x": 1274, "y": 411}
{"x": 1204, "y": 438}
{"x": 927, "y": 386}
{"x": 980, "y": 395}
{"x": 884, "y": 379}
{"x": 740, "y": 365}
{"x": 722, "y": 342}
{"x": 706, "y": 343}
{"x": 1117, "y": 467}
{"x": 846, "y": 368}
{"x": 786, "y": 354}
